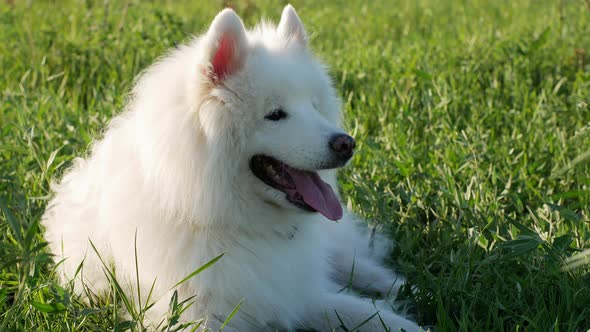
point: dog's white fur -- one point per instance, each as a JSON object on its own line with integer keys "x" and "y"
{"x": 174, "y": 168}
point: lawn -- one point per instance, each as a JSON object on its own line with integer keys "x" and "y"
{"x": 472, "y": 120}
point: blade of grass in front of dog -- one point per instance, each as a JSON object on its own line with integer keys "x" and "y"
{"x": 365, "y": 321}
{"x": 231, "y": 315}
{"x": 150, "y": 293}
{"x": 391, "y": 288}
{"x": 114, "y": 282}
{"x": 173, "y": 305}
{"x": 199, "y": 270}
{"x": 141, "y": 312}
{"x": 351, "y": 275}
{"x": 385, "y": 327}
{"x": 198, "y": 324}
{"x": 185, "y": 304}
{"x": 176, "y": 310}
{"x": 342, "y": 325}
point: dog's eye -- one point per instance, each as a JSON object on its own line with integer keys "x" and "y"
{"x": 276, "y": 115}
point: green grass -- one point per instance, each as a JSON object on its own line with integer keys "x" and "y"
{"x": 472, "y": 119}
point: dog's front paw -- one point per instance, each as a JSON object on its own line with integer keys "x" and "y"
{"x": 344, "y": 312}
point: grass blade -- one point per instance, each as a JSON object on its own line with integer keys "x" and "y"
{"x": 231, "y": 315}
{"x": 199, "y": 270}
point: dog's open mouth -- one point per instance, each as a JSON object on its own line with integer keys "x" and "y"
{"x": 305, "y": 189}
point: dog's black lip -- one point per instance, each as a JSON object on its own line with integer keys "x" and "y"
{"x": 257, "y": 163}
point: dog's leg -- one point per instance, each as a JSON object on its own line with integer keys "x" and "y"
{"x": 336, "y": 311}
{"x": 365, "y": 275}
{"x": 356, "y": 256}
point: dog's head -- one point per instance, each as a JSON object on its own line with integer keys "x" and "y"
{"x": 281, "y": 109}
{"x": 267, "y": 118}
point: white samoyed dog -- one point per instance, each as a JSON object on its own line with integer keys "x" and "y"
{"x": 228, "y": 145}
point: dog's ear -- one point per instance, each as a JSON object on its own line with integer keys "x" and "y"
{"x": 227, "y": 45}
{"x": 291, "y": 27}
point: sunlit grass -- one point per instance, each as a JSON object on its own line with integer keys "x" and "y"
{"x": 471, "y": 118}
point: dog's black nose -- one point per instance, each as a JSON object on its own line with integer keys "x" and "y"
{"x": 342, "y": 145}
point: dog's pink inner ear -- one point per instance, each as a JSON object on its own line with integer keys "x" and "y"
{"x": 224, "y": 59}
{"x": 226, "y": 46}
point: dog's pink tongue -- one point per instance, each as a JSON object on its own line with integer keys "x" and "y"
{"x": 317, "y": 194}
